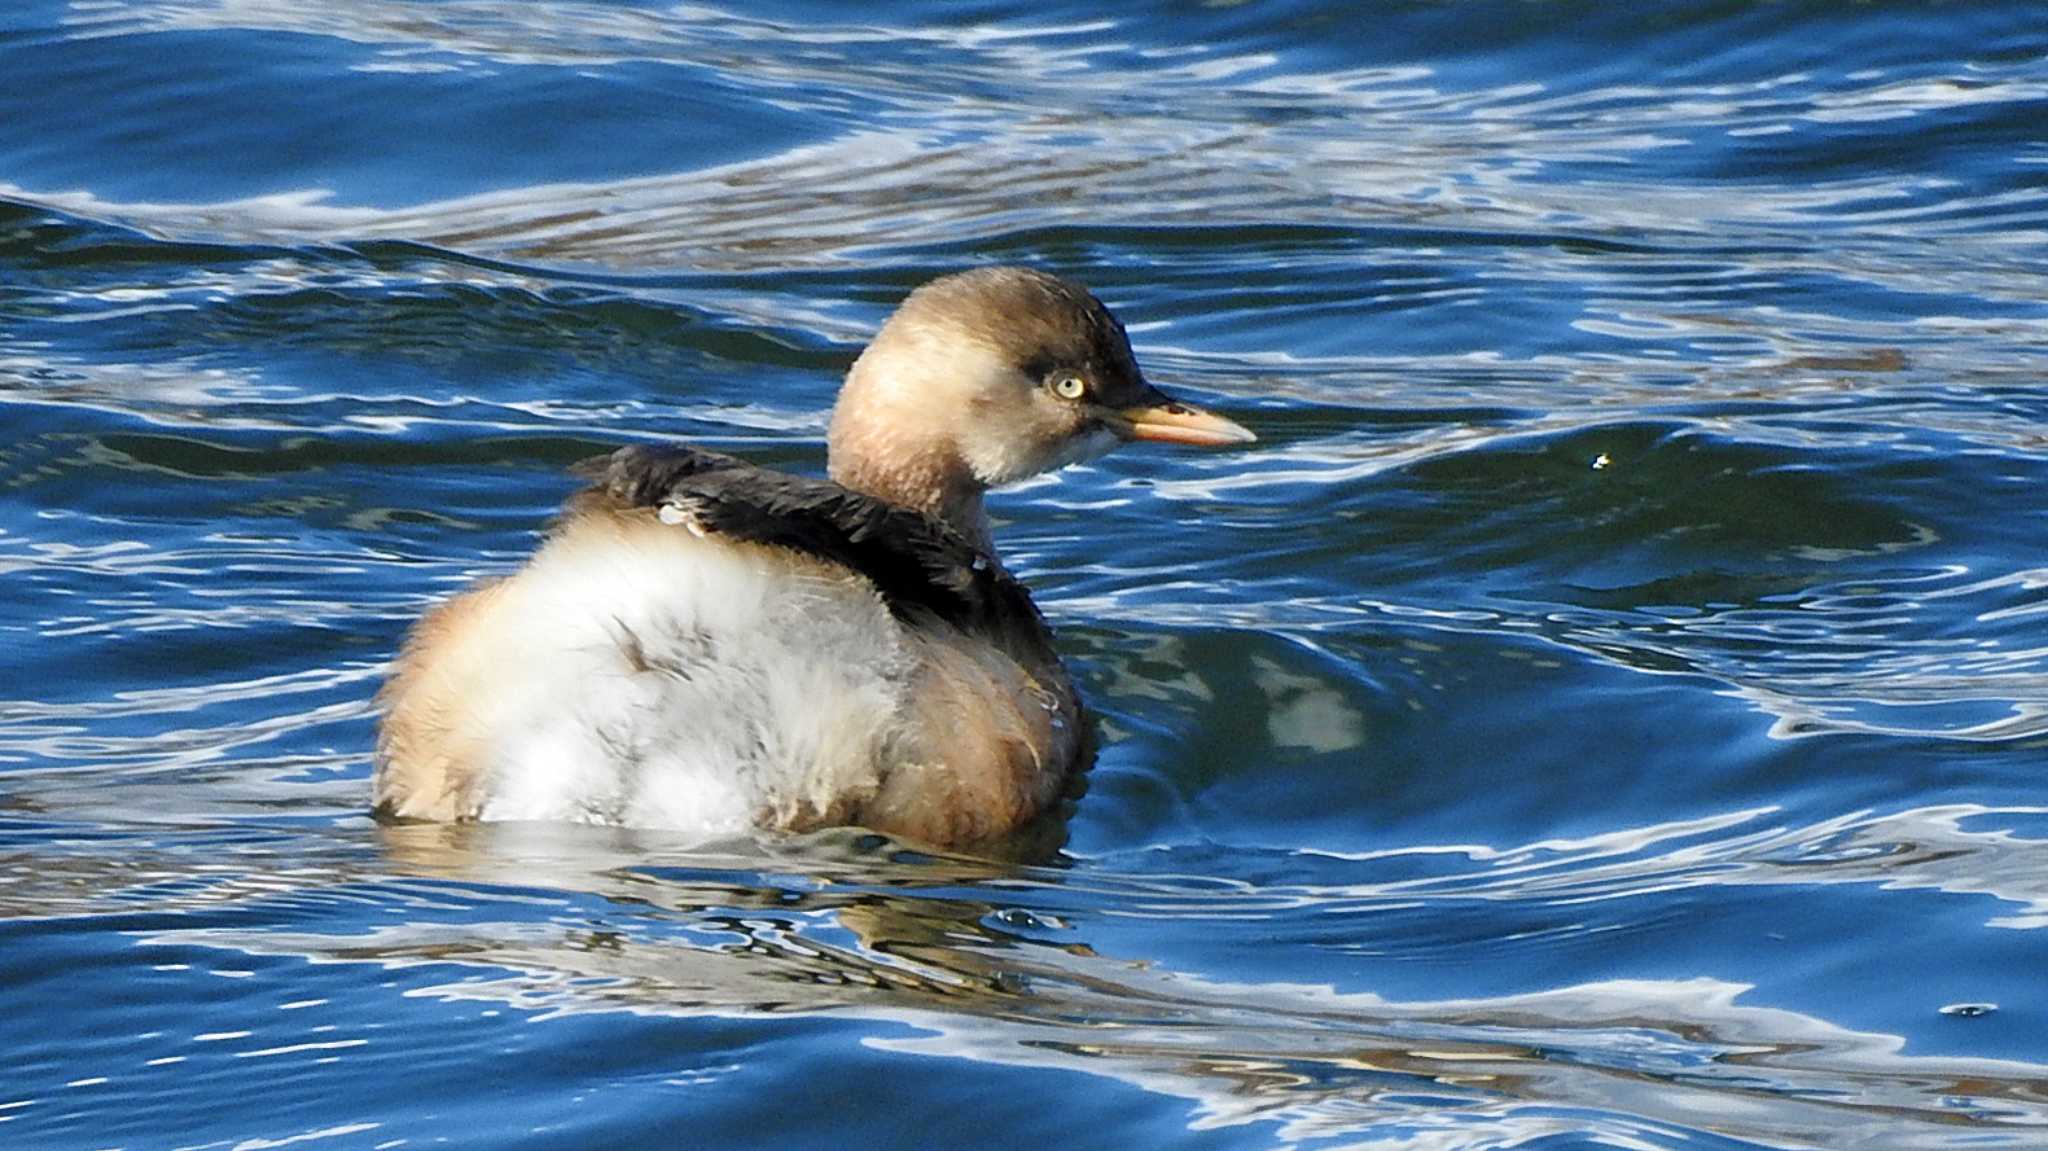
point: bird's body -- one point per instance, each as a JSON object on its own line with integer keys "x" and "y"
{"x": 709, "y": 646}
{"x": 710, "y": 674}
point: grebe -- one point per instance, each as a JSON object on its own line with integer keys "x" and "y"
{"x": 706, "y": 645}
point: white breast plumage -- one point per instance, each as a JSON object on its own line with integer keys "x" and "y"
{"x": 635, "y": 674}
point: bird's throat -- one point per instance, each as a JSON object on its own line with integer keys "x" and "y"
{"x": 931, "y": 481}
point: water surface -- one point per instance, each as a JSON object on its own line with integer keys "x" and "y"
{"x": 1608, "y": 709}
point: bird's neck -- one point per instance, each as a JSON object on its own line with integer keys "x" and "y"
{"x": 895, "y": 430}
{"x": 927, "y": 477}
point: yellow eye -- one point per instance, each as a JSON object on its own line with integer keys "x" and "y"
{"x": 1070, "y": 387}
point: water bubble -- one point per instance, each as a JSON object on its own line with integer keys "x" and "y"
{"x": 1011, "y": 983}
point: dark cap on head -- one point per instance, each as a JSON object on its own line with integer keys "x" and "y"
{"x": 1039, "y": 322}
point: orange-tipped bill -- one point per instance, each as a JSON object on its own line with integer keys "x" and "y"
{"x": 1172, "y": 422}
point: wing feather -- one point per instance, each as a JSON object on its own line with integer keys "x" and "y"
{"x": 918, "y": 564}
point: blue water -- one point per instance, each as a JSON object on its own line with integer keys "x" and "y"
{"x": 1609, "y": 708}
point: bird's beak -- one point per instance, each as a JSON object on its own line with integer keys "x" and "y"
{"x": 1167, "y": 420}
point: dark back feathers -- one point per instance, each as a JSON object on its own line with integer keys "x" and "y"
{"x": 920, "y": 566}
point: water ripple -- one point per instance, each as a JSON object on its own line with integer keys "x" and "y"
{"x": 1605, "y": 709}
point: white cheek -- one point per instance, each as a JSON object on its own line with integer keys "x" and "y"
{"x": 999, "y": 463}
{"x": 996, "y": 461}
{"x": 1092, "y": 445}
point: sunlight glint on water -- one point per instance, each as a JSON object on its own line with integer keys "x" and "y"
{"x": 1607, "y": 708}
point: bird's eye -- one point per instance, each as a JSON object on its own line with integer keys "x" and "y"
{"x": 1070, "y": 387}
